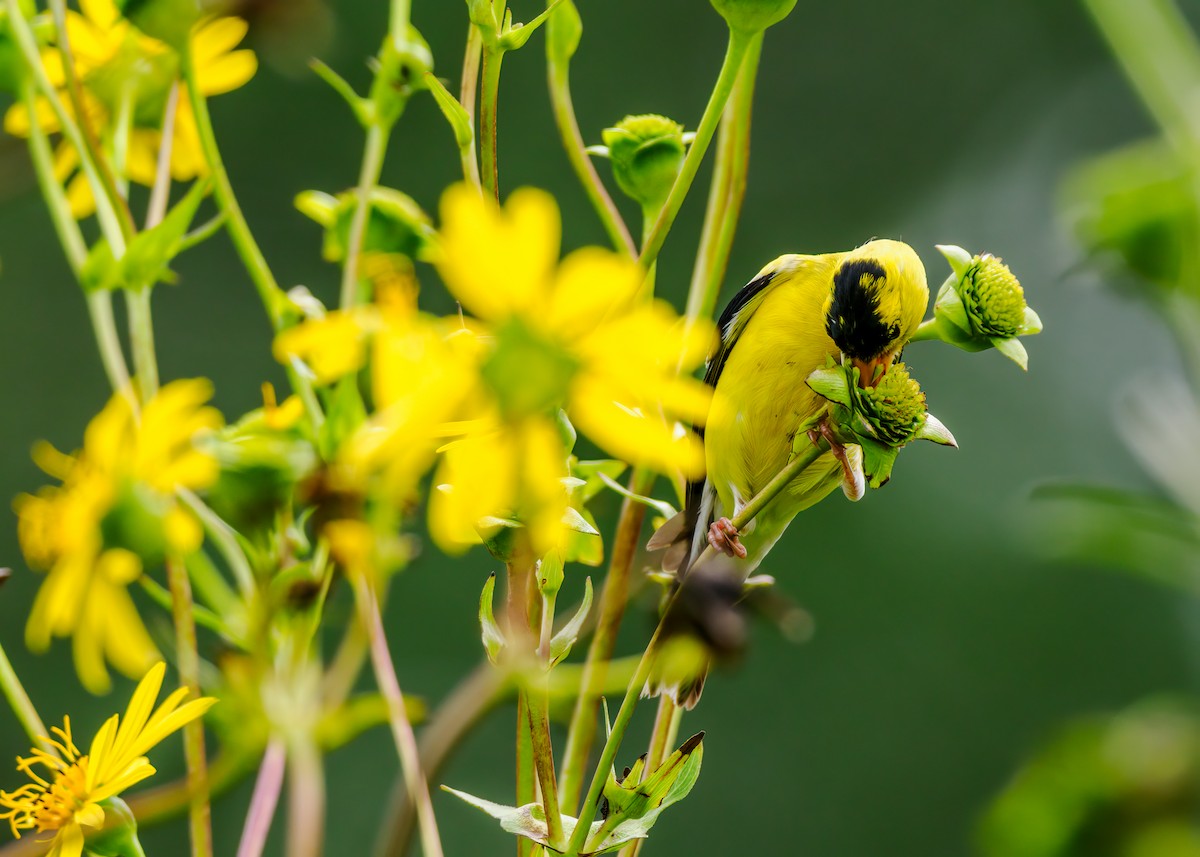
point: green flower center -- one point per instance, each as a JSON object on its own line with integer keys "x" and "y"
{"x": 895, "y": 406}
{"x": 994, "y": 298}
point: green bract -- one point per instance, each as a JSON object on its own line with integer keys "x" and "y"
{"x": 880, "y": 419}
{"x": 647, "y": 153}
{"x": 753, "y": 16}
{"x": 981, "y": 305}
{"x": 396, "y": 224}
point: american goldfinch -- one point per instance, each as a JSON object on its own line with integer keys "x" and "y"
{"x": 864, "y": 304}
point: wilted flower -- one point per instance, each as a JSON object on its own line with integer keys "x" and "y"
{"x": 77, "y": 789}
{"x": 114, "y": 513}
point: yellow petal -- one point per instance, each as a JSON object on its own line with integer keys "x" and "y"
{"x": 226, "y": 73}
{"x": 498, "y": 262}
{"x": 90, "y": 816}
{"x": 68, "y": 842}
{"x": 80, "y": 198}
{"x": 102, "y": 13}
{"x": 216, "y": 37}
{"x": 592, "y": 286}
{"x": 16, "y": 119}
{"x": 141, "y": 160}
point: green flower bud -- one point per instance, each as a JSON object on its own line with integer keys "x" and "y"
{"x": 895, "y": 407}
{"x": 120, "y": 835}
{"x": 396, "y": 223}
{"x": 993, "y": 297}
{"x": 753, "y": 16}
{"x": 647, "y": 154}
{"x": 135, "y": 523}
{"x": 401, "y": 70}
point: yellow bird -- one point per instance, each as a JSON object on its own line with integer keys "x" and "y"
{"x": 799, "y": 310}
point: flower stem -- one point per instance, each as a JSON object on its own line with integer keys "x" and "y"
{"x": 273, "y": 298}
{"x": 199, "y": 822}
{"x": 20, "y": 703}
{"x": 264, "y": 800}
{"x": 558, "y": 77}
{"x": 468, "y": 93}
{"x": 739, "y": 43}
{"x": 141, "y": 337}
{"x": 520, "y": 577}
{"x": 727, "y": 191}
{"x": 160, "y": 193}
{"x": 474, "y": 696}
{"x": 582, "y": 730}
{"x": 306, "y": 799}
{"x": 489, "y": 169}
{"x": 537, "y": 707}
{"x": 402, "y": 732}
{"x": 99, "y": 303}
{"x": 368, "y": 178}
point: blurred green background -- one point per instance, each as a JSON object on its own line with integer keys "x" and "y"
{"x": 946, "y": 644}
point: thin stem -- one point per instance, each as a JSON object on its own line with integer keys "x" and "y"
{"x": 199, "y": 822}
{"x": 526, "y": 772}
{"x": 727, "y": 191}
{"x": 110, "y": 202}
{"x": 141, "y": 337}
{"x": 582, "y": 730}
{"x": 225, "y": 538}
{"x": 20, "y": 703}
{"x": 202, "y": 233}
{"x": 450, "y": 722}
{"x": 468, "y": 94}
{"x": 99, "y": 304}
{"x": 160, "y": 194}
{"x": 738, "y": 45}
{"x": 398, "y": 20}
{"x": 543, "y": 759}
{"x": 489, "y": 170}
{"x": 264, "y": 800}
{"x": 306, "y": 799}
{"x": 402, "y": 732}
{"x": 368, "y": 178}
{"x": 558, "y": 77}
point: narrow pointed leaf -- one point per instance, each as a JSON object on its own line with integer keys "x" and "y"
{"x": 561, "y": 643}
{"x": 493, "y": 637}
{"x": 1014, "y": 351}
{"x": 936, "y": 431}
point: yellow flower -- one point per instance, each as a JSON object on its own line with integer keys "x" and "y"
{"x": 615, "y": 358}
{"x": 68, "y": 797}
{"x": 114, "y": 509}
{"x": 115, "y": 62}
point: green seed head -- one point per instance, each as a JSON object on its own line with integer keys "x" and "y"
{"x": 647, "y": 153}
{"x": 895, "y": 407}
{"x": 993, "y": 297}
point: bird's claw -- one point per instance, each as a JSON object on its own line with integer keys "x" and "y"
{"x": 825, "y": 432}
{"x": 723, "y": 536}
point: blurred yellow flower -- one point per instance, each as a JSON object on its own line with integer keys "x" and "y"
{"x": 67, "y": 796}
{"x": 114, "y": 509}
{"x": 577, "y": 332}
{"x": 124, "y": 71}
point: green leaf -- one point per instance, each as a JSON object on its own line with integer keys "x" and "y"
{"x": 455, "y": 113}
{"x": 878, "y": 460}
{"x": 583, "y": 548}
{"x": 561, "y": 643}
{"x": 344, "y": 414}
{"x": 959, "y": 259}
{"x": 949, "y": 307}
{"x": 590, "y": 472}
{"x": 150, "y": 252}
{"x": 550, "y": 574}
{"x": 498, "y": 536}
{"x": 1033, "y": 323}
{"x": 516, "y": 35}
{"x": 493, "y": 638}
{"x": 661, "y": 506}
{"x": 317, "y": 205}
{"x": 577, "y": 523}
{"x": 100, "y": 271}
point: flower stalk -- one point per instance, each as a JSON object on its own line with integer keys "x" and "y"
{"x": 264, "y": 800}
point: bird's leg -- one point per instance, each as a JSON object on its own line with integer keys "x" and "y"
{"x": 723, "y": 536}
{"x": 825, "y": 431}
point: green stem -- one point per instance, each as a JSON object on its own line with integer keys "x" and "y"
{"x": 468, "y": 94}
{"x": 588, "y": 812}
{"x": 20, "y": 703}
{"x": 465, "y": 706}
{"x": 558, "y": 75}
{"x": 368, "y": 178}
{"x": 99, "y": 304}
{"x": 398, "y": 21}
{"x": 739, "y": 43}
{"x": 727, "y": 191}
{"x": 582, "y": 730}
{"x": 402, "y": 731}
{"x": 537, "y": 705}
{"x": 199, "y": 821}
{"x": 225, "y": 538}
{"x": 306, "y": 798}
{"x": 526, "y": 791}
{"x": 272, "y": 296}
{"x": 490, "y": 171}
{"x": 141, "y": 337}
{"x": 160, "y": 193}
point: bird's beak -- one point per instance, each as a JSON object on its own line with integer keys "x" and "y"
{"x": 870, "y": 371}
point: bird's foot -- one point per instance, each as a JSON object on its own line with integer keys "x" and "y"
{"x": 825, "y": 432}
{"x": 723, "y": 536}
